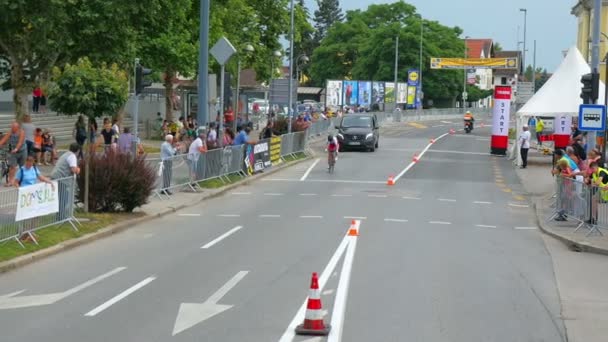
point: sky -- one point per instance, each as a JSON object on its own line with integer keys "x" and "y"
{"x": 549, "y": 22}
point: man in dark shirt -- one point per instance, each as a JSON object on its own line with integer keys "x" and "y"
{"x": 108, "y": 135}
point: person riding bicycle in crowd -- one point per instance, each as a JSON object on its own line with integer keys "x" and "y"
{"x": 332, "y": 147}
{"x": 468, "y": 117}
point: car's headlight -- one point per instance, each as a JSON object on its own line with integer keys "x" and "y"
{"x": 369, "y": 136}
{"x": 340, "y": 136}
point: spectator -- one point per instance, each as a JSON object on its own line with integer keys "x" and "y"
{"x": 92, "y": 130}
{"x": 229, "y": 116}
{"x": 108, "y": 137}
{"x": 17, "y": 149}
{"x": 80, "y": 133}
{"x": 191, "y": 132}
{"x": 37, "y": 147}
{"x": 540, "y": 126}
{"x": 36, "y": 94}
{"x": 67, "y": 165}
{"x": 125, "y": 141}
{"x": 197, "y": 164}
{"x": 268, "y": 131}
{"x": 48, "y": 146}
{"x": 241, "y": 136}
{"x": 115, "y": 127}
{"x": 28, "y": 128}
{"x": 174, "y": 129}
{"x": 42, "y": 101}
{"x": 228, "y": 138}
{"x": 212, "y": 137}
{"x": 579, "y": 149}
{"x": 524, "y": 141}
{"x": 167, "y": 152}
{"x": 164, "y": 129}
{"x": 29, "y": 174}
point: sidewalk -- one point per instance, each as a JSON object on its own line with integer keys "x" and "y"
{"x": 540, "y": 185}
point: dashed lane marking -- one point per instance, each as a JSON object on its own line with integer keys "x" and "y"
{"x": 395, "y": 220}
{"x": 310, "y": 169}
{"x": 412, "y": 198}
{"x": 440, "y": 222}
{"x": 341, "y": 195}
{"x": 446, "y": 200}
{"x": 241, "y": 193}
{"x": 229, "y": 215}
{"x": 272, "y": 194}
{"x": 484, "y": 226}
{"x": 120, "y": 297}
{"x": 377, "y": 196}
{"x": 308, "y": 194}
{"x": 311, "y": 217}
{"x": 356, "y": 217}
{"x": 526, "y": 228}
{"x": 269, "y": 216}
{"x": 519, "y": 205}
{"x": 482, "y": 202}
{"x": 221, "y": 237}
{"x": 189, "y": 215}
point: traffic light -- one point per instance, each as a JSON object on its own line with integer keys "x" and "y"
{"x": 590, "y": 90}
{"x": 141, "y": 81}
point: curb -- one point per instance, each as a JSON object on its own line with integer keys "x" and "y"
{"x": 116, "y": 228}
{"x": 570, "y": 243}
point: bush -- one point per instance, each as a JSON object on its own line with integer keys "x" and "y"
{"x": 117, "y": 182}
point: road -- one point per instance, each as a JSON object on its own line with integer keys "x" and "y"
{"x": 449, "y": 253}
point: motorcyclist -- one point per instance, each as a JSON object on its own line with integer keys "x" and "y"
{"x": 468, "y": 117}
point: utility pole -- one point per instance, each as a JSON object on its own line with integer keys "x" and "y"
{"x": 534, "y": 70}
{"x": 290, "y": 78}
{"x": 397, "y": 114}
{"x": 525, "y": 28}
{"x": 595, "y": 69}
{"x": 202, "y": 113}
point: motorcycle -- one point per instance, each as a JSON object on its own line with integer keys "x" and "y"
{"x": 468, "y": 126}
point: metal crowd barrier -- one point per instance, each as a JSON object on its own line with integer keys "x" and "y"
{"x": 586, "y": 205}
{"x": 9, "y": 229}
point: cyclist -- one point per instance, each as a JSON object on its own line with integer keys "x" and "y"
{"x": 332, "y": 149}
{"x": 468, "y": 117}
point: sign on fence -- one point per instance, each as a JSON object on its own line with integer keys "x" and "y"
{"x": 275, "y": 150}
{"x": 37, "y": 200}
{"x": 257, "y": 157}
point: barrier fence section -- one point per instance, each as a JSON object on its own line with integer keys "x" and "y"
{"x": 586, "y": 205}
{"x": 10, "y": 229}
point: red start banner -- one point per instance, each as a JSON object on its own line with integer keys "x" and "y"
{"x": 500, "y": 120}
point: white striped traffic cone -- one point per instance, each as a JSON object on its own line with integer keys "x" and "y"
{"x": 313, "y": 320}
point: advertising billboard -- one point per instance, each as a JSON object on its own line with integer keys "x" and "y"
{"x": 333, "y": 96}
{"x": 378, "y": 93}
{"x": 351, "y": 93}
{"x": 365, "y": 93}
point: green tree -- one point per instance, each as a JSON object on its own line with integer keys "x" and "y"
{"x": 303, "y": 37}
{"x": 327, "y": 14}
{"x": 82, "y": 88}
{"x": 541, "y": 78}
{"x": 497, "y": 47}
{"x": 474, "y": 93}
{"x": 363, "y": 47}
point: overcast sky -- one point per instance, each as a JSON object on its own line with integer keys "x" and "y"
{"x": 549, "y": 22}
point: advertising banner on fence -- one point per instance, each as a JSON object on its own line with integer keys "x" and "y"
{"x": 389, "y": 92}
{"x": 351, "y": 93}
{"x": 334, "y": 93}
{"x": 401, "y": 92}
{"x": 365, "y": 93}
{"x": 500, "y": 120}
{"x": 37, "y": 200}
{"x": 413, "y": 77}
{"x": 479, "y": 63}
{"x": 275, "y": 150}
{"x": 378, "y": 93}
{"x": 411, "y": 95}
{"x": 257, "y": 157}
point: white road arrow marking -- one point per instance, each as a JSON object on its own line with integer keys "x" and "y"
{"x": 191, "y": 314}
{"x": 9, "y": 301}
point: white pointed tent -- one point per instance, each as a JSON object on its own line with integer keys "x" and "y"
{"x": 559, "y": 95}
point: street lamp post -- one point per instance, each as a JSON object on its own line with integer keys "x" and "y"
{"x": 523, "y": 58}
{"x": 420, "y": 64}
{"x": 202, "y": 113}
{"x": 275, "y": 54}
{"x": 304, "y": 60}
{"x": 248, "y": 49}
{"x": 396, "y": 69}
{"x": 290, "y": 78}
{"x": 464, "y": 80}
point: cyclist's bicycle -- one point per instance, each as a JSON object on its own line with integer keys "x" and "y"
{"x": 331, "y": 160}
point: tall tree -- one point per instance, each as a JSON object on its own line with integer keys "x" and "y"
{"x": 304, "y": 44}
{"x": 328, "y": 13}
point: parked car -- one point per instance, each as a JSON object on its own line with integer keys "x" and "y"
{"x": 359, "y": 131}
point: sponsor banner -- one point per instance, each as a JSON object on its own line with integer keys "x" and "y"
{"x": 401, "y": 92}
{"x": 500, "y": 120}
{"x": 37, "y": 200}
{"x": 334, "y": 93}
{"x": 275, "y": 150}
{"x": 257, "y": 157}
{"x": 563, "y": 130}
{"x": 389, "y": 92}
{"x": 378, "y": 93}
{"x": 351, "y": 93}
{"x": 471, "y": 76}
{"x": 411, "y": 95}
{"x": 365, "y": 93}
{"x": 479, "y": 63}
{"x": 413, "y": 77}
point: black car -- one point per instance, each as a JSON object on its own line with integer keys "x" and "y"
{"x": 358, "y": 131}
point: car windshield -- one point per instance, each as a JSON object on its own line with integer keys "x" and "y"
{"x": 357, "y": 121}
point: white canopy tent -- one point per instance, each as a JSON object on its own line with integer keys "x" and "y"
{"x": 559, "y": 95}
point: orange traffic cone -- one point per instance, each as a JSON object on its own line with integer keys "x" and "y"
{"x": 313, "y": 320}
{"x": 353, "y": 231}
{"x": 415, "y": 159}
{"x": 391, "y": 180}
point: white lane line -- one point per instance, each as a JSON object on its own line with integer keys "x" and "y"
{"x": 412, "y": 198}
{"x": 308, "y": 194}
{"x": 355, "y": 217}
{"x": 310, "y": 169}
{"x": 241, "y": 193}
{"x": 120, "y": 297}
{"x": 526, "y": 228}
{"x": 347, "y": 181}
{"x": 339, "y": 309}
{"x": 272, "y": 194}
{"x": 338, "y": 195}
{"x": 484, "y": 226}
{"x": 395, "y": 220}
{"x": 460, "y": 152}
{"x": 437, "y": 126}
{"x": 314, "y": 339}
{"x": 189, "y": 215}
{"x": 519, "y": 205}
{"x": 440, "y": 222}
{"x": 325, "y": 293}
{"x": 269, "y": 216}
{"x": 377, "y": 196}
{"x": 311, "y": 217}
{"x": 407, "y": 168}
{"x": 229, "y": 215}
{"x": 445, "y": 122}
{"x": 289, "y": 333}
{"x": 222, "y": 237}
{"x": 446, "y": 200}
{"x": 481, "y": 202}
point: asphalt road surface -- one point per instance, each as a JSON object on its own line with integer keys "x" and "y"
{"x": 449, "y": 253}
